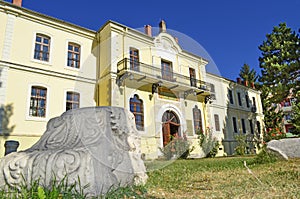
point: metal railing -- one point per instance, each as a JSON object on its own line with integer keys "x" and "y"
{"x": 159, "y": 74}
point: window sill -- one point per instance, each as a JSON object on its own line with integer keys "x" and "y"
{"x": 72, "y": 69}
{"x": 48, "y": 63}
{"x": 38, "y": 119}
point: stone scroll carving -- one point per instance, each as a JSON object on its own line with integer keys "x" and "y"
{"x": 99, "y": 145}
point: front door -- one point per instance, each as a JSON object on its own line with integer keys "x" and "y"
{"x": 170, "y": 126}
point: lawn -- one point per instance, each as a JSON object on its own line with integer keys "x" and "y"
{"x": 223, "y": 178}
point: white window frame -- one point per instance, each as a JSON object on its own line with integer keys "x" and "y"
{"x": 66, "y": 55}
{"x": 28, "y": 117}
{"x": 50, "y": 50}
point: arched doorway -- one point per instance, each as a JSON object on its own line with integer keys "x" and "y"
{"x": 170, "y": 126}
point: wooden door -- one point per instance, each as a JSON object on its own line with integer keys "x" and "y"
{"x": 166, "y": 134}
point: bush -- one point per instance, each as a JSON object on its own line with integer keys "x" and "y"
{"x": 242, "y": 144}
{"x": 264, "y": 156}
{"x": 208, "y": 144}
{"x": 179, "y": 147}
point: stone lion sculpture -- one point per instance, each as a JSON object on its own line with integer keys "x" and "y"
{"x": 98, "y": 145}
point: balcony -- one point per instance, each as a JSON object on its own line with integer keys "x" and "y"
{"x": 154, "y": 75}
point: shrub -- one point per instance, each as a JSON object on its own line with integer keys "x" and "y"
{"x": 264, "y": 156}
{"x": 179, "y": 147}
{"x": 208, "y": 143}
{"x": 242, "y": 144}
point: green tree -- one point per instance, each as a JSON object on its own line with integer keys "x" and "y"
{"x": 280, "y": 62}
{"x": 248, "y": 75}
{"x": 296, "y": 118}
{"x": 273, "y": 117}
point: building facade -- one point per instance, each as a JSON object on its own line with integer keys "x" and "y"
{"x": 46, "y": 67}
{"x": 153, "y": 77}
{"x": 49, "y": 66}
{"x": 234, "y": 109}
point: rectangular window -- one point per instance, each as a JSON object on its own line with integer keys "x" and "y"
{"x": 258, "y": 127}
{"x": 38, "y": 101}
{"x": 167, "y": 70}
{"x": 72, "y": 101}
{"x": 251, "y": 127}
{"x": 212, "y": 91}
{"x": 253, "y": 101}
{"x": 193, "y": 77}
{"x": 134, "y": 59}
{"x": 42, "y": 47}
{"x": 247, "y": 101}
{"x": 73, "y": 55}
{"x": 217, "y": 122}
{"x": 230, "y": 96}
{"x": 234, "y": 124}
{"x": 239, "y": 98}
{"x": 243, "y": 126}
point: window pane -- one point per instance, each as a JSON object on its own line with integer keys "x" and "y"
{"x": 38, "y": 39}
{"x": 70, "y": 47}
{"x": 136, "y": 107}
{"x": 46, "y": 41}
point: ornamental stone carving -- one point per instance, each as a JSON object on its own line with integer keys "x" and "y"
{"x": 98, "y": 145}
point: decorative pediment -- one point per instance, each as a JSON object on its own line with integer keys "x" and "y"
{"x": 167, "y": 42}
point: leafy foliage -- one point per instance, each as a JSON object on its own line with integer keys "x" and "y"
{"x": 264, "y": 157}
{"x": 179, "y": 147}
{"x": 296, "y": 118}
{"x": 248, "y": 75}
{"x": 280, "y": 62}
{"x": 242, "y": 144}
{"x": 208, "y": 143}
{"x": 273, "y": 116}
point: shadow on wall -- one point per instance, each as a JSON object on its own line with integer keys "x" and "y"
{"x": 6, "y": 111}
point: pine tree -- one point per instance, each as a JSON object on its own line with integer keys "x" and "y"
{"x": 280, "y": 62}
{"x": 273, "y": 117}
{"x": 248, "y": 75}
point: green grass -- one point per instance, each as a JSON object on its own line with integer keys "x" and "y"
{"x": 225, "y": 178}
{"x": 198, "y": 178}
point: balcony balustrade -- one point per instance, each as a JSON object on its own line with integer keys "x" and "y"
{"x": 152, "y": 74}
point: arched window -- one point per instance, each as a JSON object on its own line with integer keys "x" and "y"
{"x": 136, "y": 107}
{"x": 197, "y": 120}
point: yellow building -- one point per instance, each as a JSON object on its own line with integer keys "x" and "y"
{"x": 235, "y": 109}
{"x": 153, "y": 77}
{"x": 47, "y": 68}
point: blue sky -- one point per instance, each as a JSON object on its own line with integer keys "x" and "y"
{"x": 230, "y": 31}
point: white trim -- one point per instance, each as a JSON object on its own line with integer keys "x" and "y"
{"x": 49, "y": 63}
{"x": 27, "y": 116}
{"x": 65, "y": 97}
{"x": 66, "y": 55}
{"x": 158, "y": 120}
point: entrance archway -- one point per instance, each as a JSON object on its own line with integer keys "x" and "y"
{"x": 170, "y": 126}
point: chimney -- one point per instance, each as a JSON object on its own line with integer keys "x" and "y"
{"x": 239, "y": 80}
{"x": 253, "y": 85}
{"x": 246, "y": 83}
{"x": 162, "y": 26}
{"x": 148, "y": 30}
{"x": 17, "y": 2}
